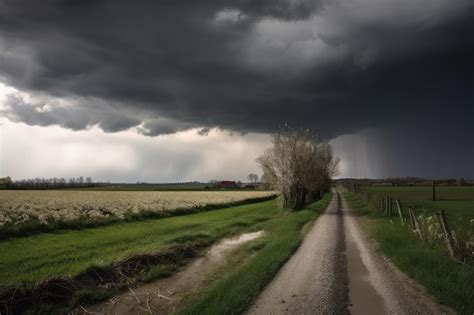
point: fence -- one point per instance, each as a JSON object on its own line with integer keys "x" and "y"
{"x": 431, "y": 229}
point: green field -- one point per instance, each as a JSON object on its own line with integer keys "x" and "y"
{"x": 28, "y": 212}
{"x": 68, "y": 253}
{"x": 28, "y": 260}
{"x": 450, "y": 282}
{"x": 458, "y": 202}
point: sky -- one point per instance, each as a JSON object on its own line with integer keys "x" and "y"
{"x": 165, "y": 91}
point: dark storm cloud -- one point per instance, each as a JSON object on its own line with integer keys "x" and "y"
{"x": 166, "y": 66}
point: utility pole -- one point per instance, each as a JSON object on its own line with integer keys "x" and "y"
{"x": 434, "y": 190}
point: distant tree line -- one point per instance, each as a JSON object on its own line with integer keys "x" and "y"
{"x": 52, "y": 183}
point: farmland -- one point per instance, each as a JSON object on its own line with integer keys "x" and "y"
{"x": 28, "y": 211}
{"x": 458, "y": 202}
{"x": 30, "y": 260}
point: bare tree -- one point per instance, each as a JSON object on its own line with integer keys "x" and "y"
{"x": 253, "y": 178}
{"x": 299, "y": 165}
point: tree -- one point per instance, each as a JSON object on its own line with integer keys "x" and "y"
{"x": 461, "y": 181}
{"x": 253, "y": 178}
{"x": 7, "y": 181}
{"x": 299, "y": 165}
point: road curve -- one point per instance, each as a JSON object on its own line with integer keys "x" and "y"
{"x": 337, "y": 270}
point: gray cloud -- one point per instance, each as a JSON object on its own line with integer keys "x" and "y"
{"x": 163, "y": 66}
{"x": 72, "y": 116}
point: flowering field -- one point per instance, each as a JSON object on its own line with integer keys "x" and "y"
{"x": 26, "y": 207}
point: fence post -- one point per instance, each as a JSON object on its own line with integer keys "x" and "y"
{"x": 447, "y": 233}
{"x": 390, "y": 206}
{"x": 400, "y": 212}
{"x": 416, "y": 223}
{"x": 410, "y": 214}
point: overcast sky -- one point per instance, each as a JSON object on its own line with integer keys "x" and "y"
{"x": 173, "y": 91}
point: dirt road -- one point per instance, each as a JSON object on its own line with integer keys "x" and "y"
{"x": 163, "y": 296}
{"x": 337, "y": 270}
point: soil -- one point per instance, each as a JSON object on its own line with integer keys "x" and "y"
{"x": 164, "y": 295}
{"x": 56, "y": 293}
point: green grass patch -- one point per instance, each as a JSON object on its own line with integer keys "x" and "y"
{"x": 452, "y": 283}
{"x": 457, "y": 202}
{"x": 28, "y": 260}
{"x": 159, "y": 271}
{"x": 238, "y": 287}
{"x": 33, "y": 226}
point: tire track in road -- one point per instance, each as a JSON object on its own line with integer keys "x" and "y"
{"x": 314, "y": 280}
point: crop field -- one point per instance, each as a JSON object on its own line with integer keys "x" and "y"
{"x": 25, "y": 210}
{"x": 457, "y": 202}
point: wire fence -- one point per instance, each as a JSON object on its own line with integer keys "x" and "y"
{"x": 431, "y": 229}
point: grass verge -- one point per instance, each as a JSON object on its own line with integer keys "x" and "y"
{"x": 61, "y": 294}
{"x": 239, "y": 286}
{"x": 33, "y": 269}
{"x": 450, "y": 282}
{"x": 31, "y": 259}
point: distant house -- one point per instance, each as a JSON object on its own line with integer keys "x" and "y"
{"x": 226, "y": 184}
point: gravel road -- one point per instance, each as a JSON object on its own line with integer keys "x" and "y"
{"x": 337, "y": 270}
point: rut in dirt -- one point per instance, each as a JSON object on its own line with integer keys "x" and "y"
{"x": 165, "y": 295}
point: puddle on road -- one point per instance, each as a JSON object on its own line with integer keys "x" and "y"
{"x": 364, "y": 299}
{"x": 217, "y": 252}
{"x": 164, "y": 295}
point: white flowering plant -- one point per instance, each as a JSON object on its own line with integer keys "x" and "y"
{"x": 22, "y": 209}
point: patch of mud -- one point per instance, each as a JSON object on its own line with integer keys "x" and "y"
{"x": 340, "y": 292}
{"x": 56, "y": 293}
{"x": 164, "y": 295}
{"x": 364, "y": 299}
